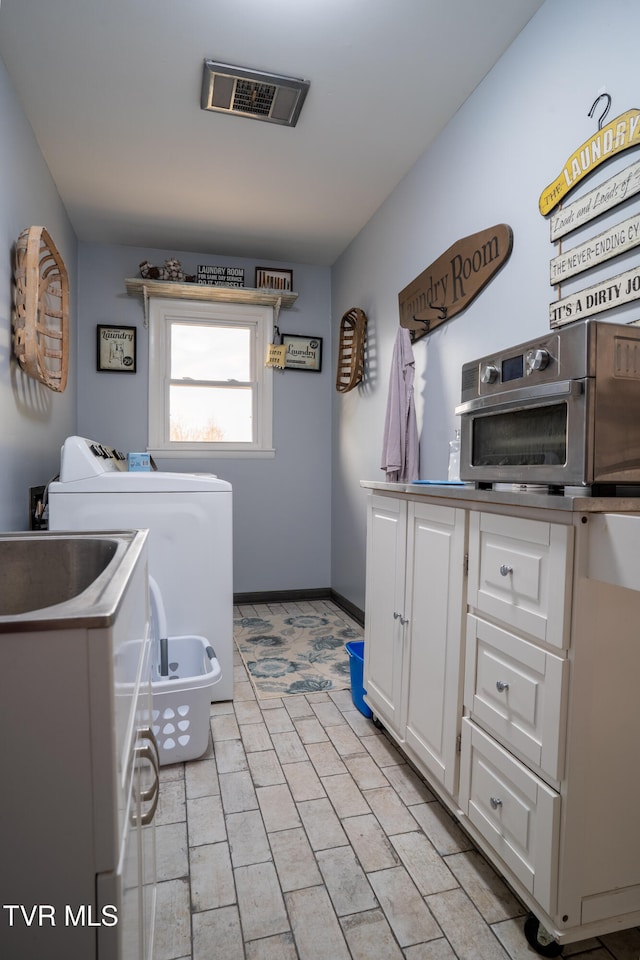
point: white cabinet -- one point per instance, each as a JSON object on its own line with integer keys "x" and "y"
{"x": 80, "y": 778}
{"x": 413, "y": 627}
{"x": 384, "y": 629}
{"x": 533, "y": 660}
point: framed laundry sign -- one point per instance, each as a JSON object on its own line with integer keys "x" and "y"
{"x": 303, "y": 353}
{"x": 116, "y": 349}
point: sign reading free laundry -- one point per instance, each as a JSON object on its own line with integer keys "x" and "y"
{"x": 619, "y": 135}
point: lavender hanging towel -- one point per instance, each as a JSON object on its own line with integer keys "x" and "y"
{"x": 400, "y": 449}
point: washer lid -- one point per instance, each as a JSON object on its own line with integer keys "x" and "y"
{"x": 151, "y": 481}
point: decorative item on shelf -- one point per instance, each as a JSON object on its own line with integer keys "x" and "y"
{"x": 41, "y": 323}
{"x": 172, "y": 270}
{"x": 269, "y": 279}
{"x": 303, "y": 353}
{"x": 353, "y": 328}
{"x": 116, "y": 349}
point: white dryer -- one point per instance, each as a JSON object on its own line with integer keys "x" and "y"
{"x": 189, "y": 518}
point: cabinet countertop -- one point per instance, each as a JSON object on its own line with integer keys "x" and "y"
{"x": 468, "y": 494}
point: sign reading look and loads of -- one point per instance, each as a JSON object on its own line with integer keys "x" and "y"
{"x": 610, "y": 140}
{"x": 452, "y": 281}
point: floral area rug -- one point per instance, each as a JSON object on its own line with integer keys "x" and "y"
{"x": 288, "y": 654}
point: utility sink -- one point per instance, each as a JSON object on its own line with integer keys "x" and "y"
{"x": 49, "y": 579}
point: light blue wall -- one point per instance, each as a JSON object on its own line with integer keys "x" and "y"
{"x": 507, "y": 142}
{"x": 282, "y": 506}
{"x": 33, "y": 419}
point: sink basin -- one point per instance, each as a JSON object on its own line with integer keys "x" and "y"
{"x": 54, "y": 578}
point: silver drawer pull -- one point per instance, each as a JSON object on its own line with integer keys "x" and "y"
{"x": 505, "y": 570}
{"x": 495, "y": 802}
{"x": 501, "y": 686}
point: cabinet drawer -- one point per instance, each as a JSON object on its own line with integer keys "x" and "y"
{"x": 516, "y": 812}
{"x": 519, "y": 574}
{"x": 518, "y": 691}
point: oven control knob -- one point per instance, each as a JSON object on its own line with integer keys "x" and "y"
{"x": 489, "y": 374}
{"x": 537, "y": 360}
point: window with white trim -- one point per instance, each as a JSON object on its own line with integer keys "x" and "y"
{"x": 209, "y": 389}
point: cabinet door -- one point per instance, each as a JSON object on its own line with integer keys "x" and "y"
{"x": 384, "y": 606}
{"x": 434, "y": 600}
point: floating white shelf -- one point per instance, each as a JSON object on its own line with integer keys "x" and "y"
{"x": 201, "y": 291}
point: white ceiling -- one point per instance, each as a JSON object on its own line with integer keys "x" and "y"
{"x": 112, "y": 91}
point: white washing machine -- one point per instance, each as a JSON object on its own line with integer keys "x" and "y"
{"x": 189, "y": 518}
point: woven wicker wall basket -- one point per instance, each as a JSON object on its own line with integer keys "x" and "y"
{"x": 41, "y": 322}
{"x": 350, "y": 370}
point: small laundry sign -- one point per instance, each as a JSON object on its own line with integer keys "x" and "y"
{"x": 220, "y": 276}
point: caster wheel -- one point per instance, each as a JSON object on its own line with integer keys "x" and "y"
{"x": 538, "y": 938}
{"x": 376, "y": 722}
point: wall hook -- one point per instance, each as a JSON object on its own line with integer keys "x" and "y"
{"x": 441, "y": 308}
{"x": 604, "y": 112}
{"x": 427, "y": 324}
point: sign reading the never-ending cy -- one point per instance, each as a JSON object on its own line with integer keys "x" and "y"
{"x": 452, "y": 281}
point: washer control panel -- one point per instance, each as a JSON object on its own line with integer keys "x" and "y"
{"x": 81, "y": 458}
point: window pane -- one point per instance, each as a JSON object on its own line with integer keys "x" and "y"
{"x": 210, "y": 414}
{"x": 210, "y": 352}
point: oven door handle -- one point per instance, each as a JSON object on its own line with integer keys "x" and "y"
{"x": 525, "y": 397}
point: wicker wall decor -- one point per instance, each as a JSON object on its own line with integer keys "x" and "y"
{"x": 41, "y": 323}
{"x": 353, "y": 328}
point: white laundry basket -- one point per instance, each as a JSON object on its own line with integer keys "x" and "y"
{"x": 182, "y": 698}
{"x": 181, "y": 701}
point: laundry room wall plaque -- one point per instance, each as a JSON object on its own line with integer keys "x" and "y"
{"x": 220, "y": 276}
{"x": 617, "y": 239}
{"x": 618, "y": 135}
{"x": 452, "y": 281}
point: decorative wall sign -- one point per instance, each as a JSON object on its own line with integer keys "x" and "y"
{"x": 117, "y": 349}
{"x": 605, "y": 295}
{"x": 608, "y": 195}
{"x": 350, "y": 366}
{"x": 274, "y": 279}
{"x": 41, "y": 323}
{"x": 454, "y": 279}
{"x": 614, "y": 241}
{"x": 303, "y": 353}
{"x": 621, "y": 134}
{"x": 276, "y": 355}
{"x": 617, "y": 136}
{"x": 220, "y": 276}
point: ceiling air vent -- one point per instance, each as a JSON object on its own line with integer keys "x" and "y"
{"x": 251, "y": 93}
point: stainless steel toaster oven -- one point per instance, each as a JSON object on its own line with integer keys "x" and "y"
{"x": 561, "y": 410}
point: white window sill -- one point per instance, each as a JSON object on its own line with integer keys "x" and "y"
{"x": 208, "y": 454}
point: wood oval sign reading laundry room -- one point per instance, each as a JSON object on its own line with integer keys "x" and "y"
{"x": 454, "y": 279}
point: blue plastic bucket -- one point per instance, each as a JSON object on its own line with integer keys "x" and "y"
{"x": 355, "y": 649}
